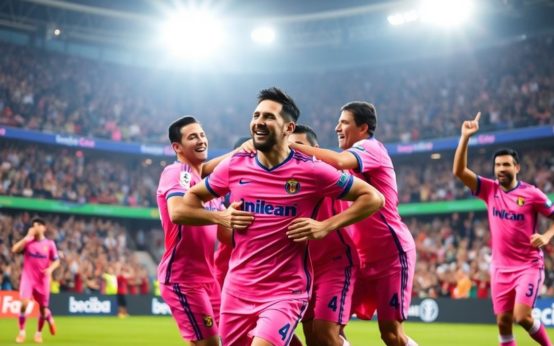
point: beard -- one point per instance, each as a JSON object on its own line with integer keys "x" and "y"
{"x": 267, "y": 145}
{"x": 507, "y": 180}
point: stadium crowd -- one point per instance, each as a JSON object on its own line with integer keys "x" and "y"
{"x": 30, "y": 170}
{"x": 511, "y": 85}
{"x": 92, "y": 251}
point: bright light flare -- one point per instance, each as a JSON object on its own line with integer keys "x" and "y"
{"x": 263, "y": 35}
{"x": 192, "y": 34}
{"x": 446, "y": 13}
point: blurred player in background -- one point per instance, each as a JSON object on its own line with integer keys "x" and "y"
{"x": 517, "y": 268}
{"x": 40, "y": 260}
{"x": 384, "y": 243}
{"x": 335, "y": 262}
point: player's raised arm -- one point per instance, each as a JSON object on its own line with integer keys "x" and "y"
{"x": 367, "y": 200}
{"x": 460, "y": 170}
{"x": 342, "y": 161}
{"x": 20, "y": 245}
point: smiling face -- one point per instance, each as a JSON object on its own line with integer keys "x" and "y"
{"x": 506, "y": 170}
{"x": 268, "y": 127}
{"x": 193, "y": 147}
{"x": 348, "y": 132}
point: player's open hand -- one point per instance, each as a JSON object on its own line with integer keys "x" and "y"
{"x": 32, "y": 232}
{"x": 539, "y": 240}
{"x": 302, "y": 229}
{"x": 236, "y": 218}
{"x": 469, "y": 127}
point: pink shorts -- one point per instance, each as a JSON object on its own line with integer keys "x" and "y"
{"x": 385, "y": 286}
{"x": 194, "y": 308}
{"x": 39, "y": 292}
{"x": 275, "y": 321}
{"x": 331, "y": 298}
{"x": 509, "y": 288}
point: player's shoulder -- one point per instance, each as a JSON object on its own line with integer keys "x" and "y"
{"x": 301, "y": 157}
{"x": 177, "y": 166}
{"x": 530, "y": 189}
{"x": 241, "y": 156}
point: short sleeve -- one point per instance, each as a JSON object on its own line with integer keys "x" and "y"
{"x": 367, "y": 159}
{"x": 543, "y": 205}
{"x": 218, "y": 182}
{"x": 53, "y": 252}
{"x": 484, "y": 188}
{"x": 175, "y": 180}
{"x": 332, "y": 183}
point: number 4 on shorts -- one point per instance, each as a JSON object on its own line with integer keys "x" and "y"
{"x": 394, "y": 301}
{"x": 284, "y": 331}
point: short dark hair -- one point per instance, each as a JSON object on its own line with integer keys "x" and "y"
{"x": 38, "y": 220}
{"x": 174, "y": 130}
{"x": 507, "y": 151}
{"x": 290, "y": 110}
{"x": 364, "y": 113}
{"x": 310, "y": 133}
{"x": 240, "y": 141}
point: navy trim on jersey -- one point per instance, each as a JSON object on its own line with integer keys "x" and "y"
{"x": 478, "y": 188}
{"x": 302, "y": 310}
{"x": 174, "y": 194}
{"x": 307, "y": 271}
{"x": 359, "y": 159}
{"x": 278, "y": 165}
{"x": 207, "y": 180}
{"x": 347, "y": 187}
{"x": 185, "y": 304}
{"x": 172, "y": 258}
{"x": 515, "y": 187}
{"x": 403, "y": 264}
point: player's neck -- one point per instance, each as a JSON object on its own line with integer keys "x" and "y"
{"x": 274, "y": 157}
{"x": 195, "y": 166}
{"x": 512, "y": 185}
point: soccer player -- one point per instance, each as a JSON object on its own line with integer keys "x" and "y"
{"x": 517, "y": 267}
{"x": 266, "y": 289}
{"x": 186, "y": 271}
{"x": 39, "y": 261}
{"x": 384, "y": 243}
{"x": 335, "y": 264}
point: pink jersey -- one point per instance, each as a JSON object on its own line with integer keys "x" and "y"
{"x": 512, "y": 220}
{"x": 37, "y": 256}
{"x": 337, "y": 247}
{"x": 265, "y": 264}
{"x": 383, "y": 234}
{"x": 189, "y": 250}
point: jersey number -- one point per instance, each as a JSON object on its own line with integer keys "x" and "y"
{"x": 394, "y": 301}
{"x": 530, "y": 290}
{"x": 333, "y": 304}
{"x": 284, "y": 331}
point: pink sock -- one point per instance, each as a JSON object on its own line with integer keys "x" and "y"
{"x": 22, "y": 320}
{"x": 540, "y": 336}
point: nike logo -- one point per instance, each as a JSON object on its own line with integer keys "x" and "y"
{"x": 242, "y": 182}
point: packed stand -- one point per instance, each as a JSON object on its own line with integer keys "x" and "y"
{"x": 30, "y": 170}
{"x": 511, "y": 86}
{"x": 91, "y": 252}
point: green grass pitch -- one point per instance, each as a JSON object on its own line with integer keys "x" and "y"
{"x": 163, "y": 331}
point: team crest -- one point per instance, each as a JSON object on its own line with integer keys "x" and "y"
{"x": 520, "y": 201}
{"x": 208, "y": 321}
{"x": 292, "y": 186}
{"x": 184, "y": 179}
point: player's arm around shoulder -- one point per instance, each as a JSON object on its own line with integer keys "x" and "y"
{"x": 459, "y": 167}
{"x": 342, "y": 161}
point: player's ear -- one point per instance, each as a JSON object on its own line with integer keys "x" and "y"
{"x": 289, "y": 129}
{"x": 176, "y": 147}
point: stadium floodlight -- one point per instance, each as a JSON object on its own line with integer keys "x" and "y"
{"x": 57, "y": 32}
{"x": 403, "y": 18}
{"x": 446, "y": 13}
{"x": 263, "y": 35}
{"x": 192, "y": 34}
